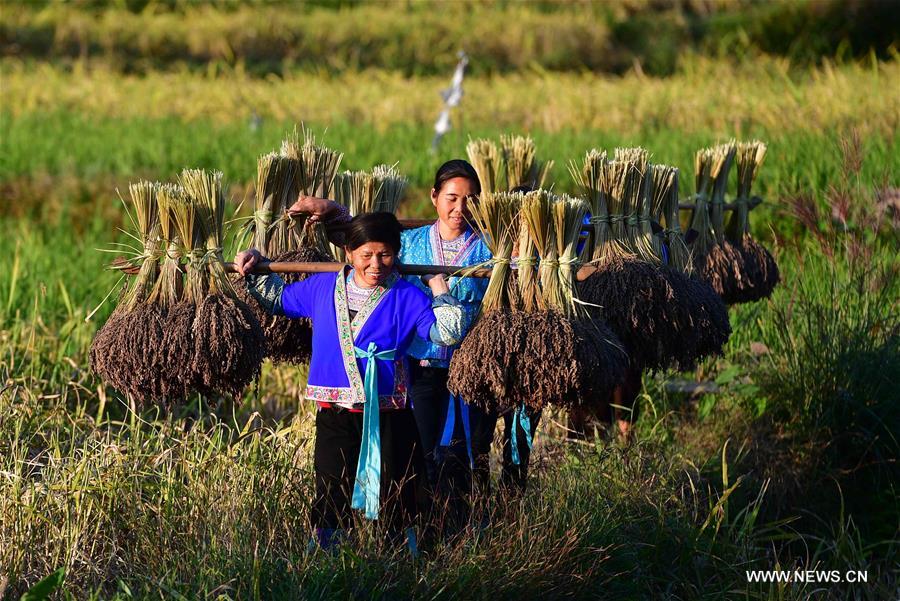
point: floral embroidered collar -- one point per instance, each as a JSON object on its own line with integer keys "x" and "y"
{"x": 437, "y": 250}
{"x": 348, "y": 330}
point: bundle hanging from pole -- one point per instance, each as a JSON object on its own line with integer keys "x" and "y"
{"x": 532, "y": 344}
{"x": 512, "y": 165}
{"x": 760, "y": 271}
{"x": 716, "y": 260}
{"x": 298, "y": 168}
{"x": 649, "y": 306}
{"x": 179, "y": 330}
{"x": 521, "y": 166}
{"x": 119, "y": 354}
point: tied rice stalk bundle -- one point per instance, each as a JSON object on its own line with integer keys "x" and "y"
{"x": 638, "y": 205}
{"x": 530, "y": 345}
{"x": 760, "y": 271}
{"x": 229, "y": 344}
{"x": 487, "y": 367}
{"x": 176, "y": 353}
{"x": 716, "y": 261}
{"x": 119, "y": 351}
{"x": 587, "y": 361}
{"x": 701, "y": 316}
{"x": 648, "y": 306}
{"x": 485, "y": 158}
{"x": 391, "y": 186}
{"x": 591, "y": 178}
{"x": 318, "y": 167}
{"x": 281, "y": 177}
{"x": 355, "y": 190}
{"x": 665, "y": 184}
{"x": 522, "y": 168}
{"x": 663, "y": 181}
{"x": 364, "y": 192}
{"x": 380, "y": 190}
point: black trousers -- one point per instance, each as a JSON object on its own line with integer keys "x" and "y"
{"x": 450, "y": 478}
{"x": 335, "y": 457}
{"x": 447, "y": 466}
{"x": 513, "y": 477}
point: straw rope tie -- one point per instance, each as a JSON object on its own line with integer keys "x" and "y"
{"x": 197, "y": 257}
{"x": 595, "y": 219}
{"x": 634, "y": 220}
{"x": 263, "y": 215}
{"x": 212, "y": 254}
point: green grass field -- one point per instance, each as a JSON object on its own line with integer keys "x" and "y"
{"x": 793, "y": 464}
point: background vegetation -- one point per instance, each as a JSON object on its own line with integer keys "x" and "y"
{"x": 793, "y": 464}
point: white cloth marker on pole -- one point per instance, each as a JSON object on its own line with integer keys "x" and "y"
{"x": 452, "y": 97}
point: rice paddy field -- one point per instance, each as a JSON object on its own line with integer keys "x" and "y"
{"x": 790, "y": 465}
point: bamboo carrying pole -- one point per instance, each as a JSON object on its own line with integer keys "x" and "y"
{"x": 330, "y": 267}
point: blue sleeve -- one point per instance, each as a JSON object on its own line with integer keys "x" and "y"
{"x": 421, "y": 311}
{"x": 299, "y": 298}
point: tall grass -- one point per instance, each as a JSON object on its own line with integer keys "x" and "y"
{"x": 422, "y": 37}
{"x": 746, "y": 99}
{"x": 793, "y": 464}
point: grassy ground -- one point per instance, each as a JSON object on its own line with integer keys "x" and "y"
{"x": 792, "y": 465}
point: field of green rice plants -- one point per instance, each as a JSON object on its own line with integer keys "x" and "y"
{"x": 791, "y": 465}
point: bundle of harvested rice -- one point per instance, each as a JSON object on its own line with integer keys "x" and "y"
{"x": 591, "y": 178}
{"x": 318, "y": 166}
{"x": 486, "y": 367}
{"x": 485, "y": 158}
{"x": 178, "y": 328}
{"x": 510, "y": 167}
{"x": 229, "y": 344}
{"x": 760, "y": 271}
{"x": 380, "y": 190}
{"x": 298, "y": 168}
{"x": 665, "y": 185}
{"x": 702, "y": 317}
{"x": 119, "y": 353}
{"x": 529, "y": 345}
{"x": 521, "y": 166}
{"x": 648, "y": 306}
{"x": 716, "y": 260}
{"x": 176, "y": 353}
{"x": 573, "y": 358}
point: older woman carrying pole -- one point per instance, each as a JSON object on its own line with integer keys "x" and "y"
{"x": 364, "y": 320}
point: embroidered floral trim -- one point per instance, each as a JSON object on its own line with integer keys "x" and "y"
{"x": 343, "y": 396}
{"x": 348, "y": 330}
{"x": 437, "y": 247}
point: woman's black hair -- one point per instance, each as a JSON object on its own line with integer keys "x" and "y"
{"x": 373, "y": 227}
{"x": 456, "y": 168}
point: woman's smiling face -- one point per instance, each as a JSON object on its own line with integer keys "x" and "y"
{"x": 372, "y": 263}
{"x": 451, "y": 202}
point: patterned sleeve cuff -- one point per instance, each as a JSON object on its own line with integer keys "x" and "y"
{"x": 267, "y": 290}
{"x": 450, "y": 321}
{"x": 443, "y": 300}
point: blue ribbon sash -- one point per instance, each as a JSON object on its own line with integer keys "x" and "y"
{"x": 367, "y": 488}
{"x": 520, "y": 419}
{"x": 450, "y": 424}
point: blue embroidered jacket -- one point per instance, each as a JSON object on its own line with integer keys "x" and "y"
{"x": 422, "y": 246}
